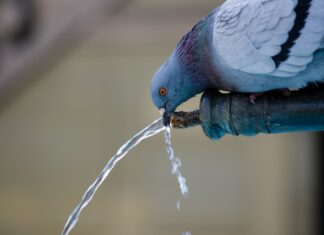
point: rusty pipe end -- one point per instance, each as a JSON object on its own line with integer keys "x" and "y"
{"x": 183, "y": 120}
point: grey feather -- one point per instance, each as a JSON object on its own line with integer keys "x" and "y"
{"x": 257, "y": 29}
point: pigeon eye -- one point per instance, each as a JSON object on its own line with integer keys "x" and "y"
{"x": 163, "y": 91}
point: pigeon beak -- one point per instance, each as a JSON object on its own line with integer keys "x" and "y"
{"x": 166, "y": 117}
{"x": 162, "y": 111}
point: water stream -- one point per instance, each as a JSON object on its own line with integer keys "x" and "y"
{"x": 147, "y": 132}
{"x": 176, "y": 165}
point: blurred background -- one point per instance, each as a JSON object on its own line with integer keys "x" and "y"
{"x": 74, "y": 86}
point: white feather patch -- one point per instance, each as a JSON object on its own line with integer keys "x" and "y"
{"x": 248, "y": 33}
{"x": 311, "y": 36}
{"x": 289, "y": 68}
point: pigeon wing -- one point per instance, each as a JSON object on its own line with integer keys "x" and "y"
{"x": 275, "y": 37}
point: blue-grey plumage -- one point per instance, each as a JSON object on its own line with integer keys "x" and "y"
{"x": 245, "y": 46}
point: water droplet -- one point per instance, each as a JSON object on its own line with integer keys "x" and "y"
{"x": 178, "y": 205}
{"x": 186, "y": 233}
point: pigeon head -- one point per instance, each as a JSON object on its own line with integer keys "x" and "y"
{"x": 186, "y": 72}
{"x": 172, "y": 85}
{"x": 166, "y": 89}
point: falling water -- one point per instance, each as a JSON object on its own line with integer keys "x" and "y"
{"x": 176, "y": 165}
{"x": 147, "y": 132}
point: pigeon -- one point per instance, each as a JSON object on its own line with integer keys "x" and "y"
{"x": 249, "y": 46}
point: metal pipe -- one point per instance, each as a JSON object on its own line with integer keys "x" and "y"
{"x": 182, "y": 120}
{"x": 234, "y": 114}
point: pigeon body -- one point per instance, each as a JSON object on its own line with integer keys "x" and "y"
{"x": 245, "y": 46}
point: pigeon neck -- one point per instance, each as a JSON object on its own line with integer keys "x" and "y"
{"x": 192, "y": 47}
{"x": 193, "y": 52}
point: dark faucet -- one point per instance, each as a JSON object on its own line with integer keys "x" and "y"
{"x": 234, "y": 114}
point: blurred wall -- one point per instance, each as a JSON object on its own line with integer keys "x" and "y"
{"x": 58, "y": 132}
